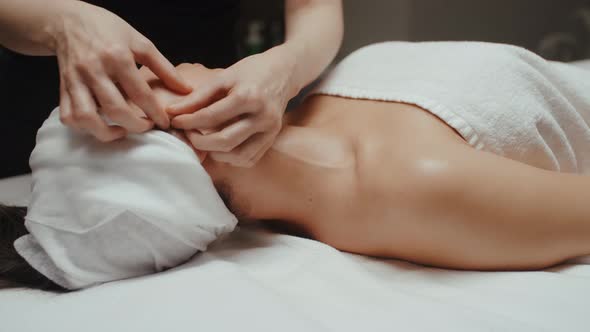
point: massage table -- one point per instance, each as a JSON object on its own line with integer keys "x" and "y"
{"x": 254, "y": 280}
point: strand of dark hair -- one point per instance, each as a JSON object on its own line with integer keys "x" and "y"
{"x": 14, "y": 270}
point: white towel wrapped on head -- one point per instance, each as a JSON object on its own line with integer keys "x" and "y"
{"x": 500, "y": 98}
{"x": 103, "y": 212}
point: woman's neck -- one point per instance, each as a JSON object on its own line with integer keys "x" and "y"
{"x": 292, "y": 181}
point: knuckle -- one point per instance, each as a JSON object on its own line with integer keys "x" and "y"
{"x": 145, "y": 45}
{"x": 88, "y": 76}
{"x": 68, "y": 80}
{"x": 241, "y": 95}
{"x": 66, "y": 119}
{"x": 225, "y": 142}
{"x": 226, "y": 85}
{"x": 93, "y": 60}
{"x": 81, "y": 116}
{"x": 248, "y": 95}
{"x": 208, "y": 117}
{"x": 108, "y": 110}
{"x": 114, "y": 53}
{"x": 254, "y": 95}
{"x": 112, "y": 111}
{"x": 194, "y": 65}
{"x": 81, "y": 66}
{"x": 186, "y": 66}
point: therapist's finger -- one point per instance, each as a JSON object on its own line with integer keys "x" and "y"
{"x": 225, "y": 140}
{"x": 65, "y": 106}
{"x": 200, "y": 98}
{"x": 115, "y": 107}
{"x": 85, "y": 116}
{"x": 147, "y": 54}
{"x": 211, "y": 116}
{"x": 112, "y": 102}
{"x": 110, "y": 99}
{"x": 140, "y": 93}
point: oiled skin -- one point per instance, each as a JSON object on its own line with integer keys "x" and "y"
{"x": 391, "y": 180}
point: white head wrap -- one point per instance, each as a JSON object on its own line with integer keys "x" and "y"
{"x": 102, "y": 212}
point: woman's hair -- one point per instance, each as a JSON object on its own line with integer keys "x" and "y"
{"x": 14, "y": 270}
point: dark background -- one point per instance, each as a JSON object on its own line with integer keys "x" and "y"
{"x": 213, "y": 33}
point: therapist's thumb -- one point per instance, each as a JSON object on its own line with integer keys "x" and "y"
{"x": 147, "y": 54}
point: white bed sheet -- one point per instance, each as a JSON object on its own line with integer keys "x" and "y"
{"x": 258, "y": 281}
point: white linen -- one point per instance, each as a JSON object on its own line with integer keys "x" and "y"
{"x": 101, "y": 212}
{"x": 500, "y": 98}
{"x": 256, "y": 281}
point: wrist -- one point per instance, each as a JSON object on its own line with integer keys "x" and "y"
{"x": 48, "y": 36}
{"x": 54, "y": 26}
{"x": 288, "y": 55}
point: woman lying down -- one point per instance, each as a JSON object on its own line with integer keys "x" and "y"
{"x": 456, "y": 155}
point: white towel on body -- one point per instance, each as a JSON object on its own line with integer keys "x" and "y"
{"x": 103, "y": 212}
{"x": 500, "y": 98}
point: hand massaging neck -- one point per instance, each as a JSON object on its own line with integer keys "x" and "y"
{"x": 301, "y": 159}
{"x": 292, "y": 183}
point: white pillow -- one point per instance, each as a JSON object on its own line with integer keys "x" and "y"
{"x": 107, "y": 211}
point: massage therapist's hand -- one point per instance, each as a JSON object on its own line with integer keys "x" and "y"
{"x": 241, "y": 108}
{"x": 97, "y": 51}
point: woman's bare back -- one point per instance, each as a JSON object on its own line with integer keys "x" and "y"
{"x": 390, "y": 144}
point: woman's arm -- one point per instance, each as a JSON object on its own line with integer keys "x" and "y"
{"x": 97, "y": 51}
{"x": 477, "y": 210}
{"x": 25, "y": 25}
{"x": 313, "y": 37}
